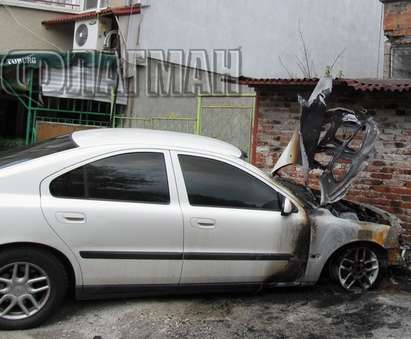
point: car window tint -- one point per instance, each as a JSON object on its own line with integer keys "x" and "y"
{"x": 137, "y": 177}
{"x": 214, "y": 183}
{"x": 69, "y": 185}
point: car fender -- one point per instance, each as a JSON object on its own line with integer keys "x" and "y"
{"x": 23, "y": 222}
{"x": 330, "y": 233}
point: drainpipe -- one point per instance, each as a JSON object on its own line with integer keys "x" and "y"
{"x": 29, "y": 108}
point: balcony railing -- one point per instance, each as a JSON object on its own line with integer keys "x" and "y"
{"x": 67, "y": 4}
{"x": 73, "y": 6}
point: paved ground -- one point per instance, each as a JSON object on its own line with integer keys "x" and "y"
{"x": 322, "y": 311}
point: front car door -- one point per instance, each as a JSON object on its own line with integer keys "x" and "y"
{"x": 233, "y": 228}
{"x": 120, "y": 215}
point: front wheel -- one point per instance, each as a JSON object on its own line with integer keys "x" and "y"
{"x": 357, "y": 269}
{"x": 33, "y": 284}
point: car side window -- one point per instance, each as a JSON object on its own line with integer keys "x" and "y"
{"x": 215, "y": 183}
{"x": 135, "y": 177}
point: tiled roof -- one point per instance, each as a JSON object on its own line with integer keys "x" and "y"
{"x": 277, "y": 82}
{"x": 119, "y": 11}
{"x": 362, "y": 85}
{"x": 371, "y": 85}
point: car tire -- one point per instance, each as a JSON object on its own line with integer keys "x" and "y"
{"x": 358, "y": 268}
{"x": 35, "y": 282}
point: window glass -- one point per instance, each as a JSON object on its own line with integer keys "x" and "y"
{"x": 214, "y": 183}
{"x": 69, "y": 185}
{"x": 137, "y": 177}
{"x": 55, "y": 145}
{"x": 401, "y": 62}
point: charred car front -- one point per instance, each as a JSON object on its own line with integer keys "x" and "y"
{"x": 336, "y": 144}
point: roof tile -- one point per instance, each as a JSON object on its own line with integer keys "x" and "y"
{"x": 361, "y": 85}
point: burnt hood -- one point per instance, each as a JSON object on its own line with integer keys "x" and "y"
{"x": 337, "y": 142}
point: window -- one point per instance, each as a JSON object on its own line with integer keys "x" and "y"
{"x": 215, "y": 183}
{"x": 401, "y": 62}
{"x": 39, "y": 150}
{"x": 137, "y": 177}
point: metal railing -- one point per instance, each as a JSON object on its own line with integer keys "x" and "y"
{"x": 75, "y": 5}
{"x": 67, "y": 5}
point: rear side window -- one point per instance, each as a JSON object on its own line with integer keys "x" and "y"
{"x": 20, "y": 155}
{"x": 135, "y": 177}
{"x": 217, "y": 184}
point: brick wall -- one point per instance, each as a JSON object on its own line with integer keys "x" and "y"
{"x": 386, "y": 182}
{"x": 397, "y": 18}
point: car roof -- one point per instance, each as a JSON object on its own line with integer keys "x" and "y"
{"x": 156, "y": 138}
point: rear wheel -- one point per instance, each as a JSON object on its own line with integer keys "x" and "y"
{"x": 33, "y": 284}
{"x": 357, "y": 269}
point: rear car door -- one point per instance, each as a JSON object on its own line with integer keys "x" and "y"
{"x": 120, "y": 215}
{"x": 234, "y": 231}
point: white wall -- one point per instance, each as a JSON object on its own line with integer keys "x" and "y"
{"x": 267, "y": 30}
{"x": 22, "y": 29}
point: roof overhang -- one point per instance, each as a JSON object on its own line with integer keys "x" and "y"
{"x": 71, "y": 18}
{"x": 358, "y": 85}
{"x": 34, "y": 59}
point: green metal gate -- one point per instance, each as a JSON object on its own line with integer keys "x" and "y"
{"x": 227, "y": 117}
{"x": 61, "y": 110}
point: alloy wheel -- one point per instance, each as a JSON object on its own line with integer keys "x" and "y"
{"x": 358, "y": 269}
{"x": 24, "y": 290}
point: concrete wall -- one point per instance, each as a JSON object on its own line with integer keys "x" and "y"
{"x": 386, "y": 182}
{"x": 158, "y": 98}
{"x": 21, "y": 29}
{"x": 155, "y": 97}
{"x": 268, "y": 30}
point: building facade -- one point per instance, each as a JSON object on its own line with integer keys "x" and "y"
{"x": 270, "y": 38}
{"x": 397, "y": 29}
{"x": 271, "y": 34}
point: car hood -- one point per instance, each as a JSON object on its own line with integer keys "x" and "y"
{"x": 342, "y": 208}
{"x": 337, "y": 142}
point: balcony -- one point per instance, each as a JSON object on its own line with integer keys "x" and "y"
{"x": 68, "y": 6}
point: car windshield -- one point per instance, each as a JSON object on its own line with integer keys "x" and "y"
{"x": 19, "y": 155}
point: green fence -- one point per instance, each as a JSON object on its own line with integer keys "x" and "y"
{"x": 227, "y": 117}
{"x": 81, "y": 112}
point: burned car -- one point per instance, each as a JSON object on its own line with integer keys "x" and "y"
{"x": 338, "y": 143}
{"x": 110, "y": 213}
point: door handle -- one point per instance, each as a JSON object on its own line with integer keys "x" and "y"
{"x": 204, "y": 223}
{"x": 71, "y": 218}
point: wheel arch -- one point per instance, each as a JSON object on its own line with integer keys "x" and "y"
{"x": 358, "y": 243}
{"x": 58, "y": 254}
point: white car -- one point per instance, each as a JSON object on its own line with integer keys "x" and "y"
{"x": 113, "y": 213}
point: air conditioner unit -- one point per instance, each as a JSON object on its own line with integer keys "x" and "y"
{"x": 90, "y": 34}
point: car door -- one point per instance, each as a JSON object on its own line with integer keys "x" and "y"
{"x": 120, "y": 215}
{"x": 234, "y": 231}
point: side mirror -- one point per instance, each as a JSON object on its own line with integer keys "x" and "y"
{"x": 287, "y": 207}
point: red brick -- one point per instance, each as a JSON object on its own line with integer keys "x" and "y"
{"x": 381, "y": 176}
{"x": 406, "y": 205}
{"x": 397, "y": 18}
{"x": 378, "y": 163}
{"x": 400, "y": 190}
